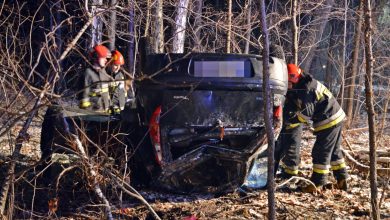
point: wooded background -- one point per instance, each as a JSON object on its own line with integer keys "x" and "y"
{"x": 44, "y": 46}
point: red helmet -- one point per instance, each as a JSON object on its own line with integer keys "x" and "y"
{"x": 117, "y": 58}
{"x": 294, "y": 73}
{"x": 100, "y": 51}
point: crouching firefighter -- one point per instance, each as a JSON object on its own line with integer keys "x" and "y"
{"x": 309, "y": 100}
{"x": 95, "y": 83}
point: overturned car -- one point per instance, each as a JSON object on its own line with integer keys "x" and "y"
{"x": 198, "y": 122}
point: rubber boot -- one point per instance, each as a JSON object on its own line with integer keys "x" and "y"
{"x": 319, "y": 181}
{"x": 341, "y": 177}
{"x": 286, "y": 173}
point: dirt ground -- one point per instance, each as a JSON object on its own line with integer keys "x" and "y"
{"x": 327, "y": 204}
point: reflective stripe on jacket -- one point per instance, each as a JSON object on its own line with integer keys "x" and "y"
{"x": 314, "y": 102}
{"x": 95, "y": 86}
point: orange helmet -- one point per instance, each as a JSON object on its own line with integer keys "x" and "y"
{"x": 117, "y": 58}
{"x": 100, "y": 51}
{"x": 294, "y": 73}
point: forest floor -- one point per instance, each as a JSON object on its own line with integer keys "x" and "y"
{"x": 326, "y": 204}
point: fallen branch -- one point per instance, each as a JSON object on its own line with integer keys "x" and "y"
{"x": 379, "y": 153}
{"x": 379, "y": 159}
{"x": 93, "y": 174}
{"x": 356, "y": 130}
{"x": 364, "y": 168}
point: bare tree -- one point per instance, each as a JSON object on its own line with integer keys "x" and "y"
{"x": 229, "y": 25}
{"x": 343, "y": 63}
{"x": 248, "y": 9}
{"x": 158, "y": 29}
{"x": 294, "y": 31}
{"x": 112, "y": 27}
{"x": 147, "y": 22}
{"x": 198, "y": 5}
{"x": 352, "y": 73}
{"x": 321, "y": 14}
{"x": 97, "y": 24}
{"x": 268, "y": 114}
{"x": 131, "y": 51}
{"x": 370, "y": 108}
{"x": 180, "y": 27}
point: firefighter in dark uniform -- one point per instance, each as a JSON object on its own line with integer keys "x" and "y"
{"x": 118, "y": 92}
{"x": 95, "y": 83}
{"x": 309, "y": 100}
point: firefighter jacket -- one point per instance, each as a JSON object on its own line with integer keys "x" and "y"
{"x": 118, "y": 91}
{"x": 95, "y": 85}
{"x": 314, "y": 102}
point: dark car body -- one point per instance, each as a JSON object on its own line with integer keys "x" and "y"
{"x": 200, "y": 119}
{"x": 205, "y": 114}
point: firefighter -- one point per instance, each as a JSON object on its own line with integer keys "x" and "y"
{"x": 95, "y": 83}
{"x": 117, "y": 86}
{"x": 308, "y": 100}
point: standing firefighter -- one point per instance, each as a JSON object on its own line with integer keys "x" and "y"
{"x": 117, "y": 87}
{"x": 309, "y": 100}
{"x": 95, "y": 95}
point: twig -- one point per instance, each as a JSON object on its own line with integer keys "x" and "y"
{"x": 298, "y": 178}
{"x": 348, "y": 144}
{"x": 132, "y": 193}
{"x": 16, "y": 153}
{"x": 63, "y": 173}
{"x": 23, "y": 133}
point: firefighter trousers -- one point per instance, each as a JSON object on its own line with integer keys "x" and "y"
{"x": 290, "y": 143}
{"x": 326, "y": 153}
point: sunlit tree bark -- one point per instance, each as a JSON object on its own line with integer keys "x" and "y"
{"x": 158, "y": 30}
{"x": 112, "y": 27}
{"x": 370, "y": 108}
{"x": 351, "y": 75}
{"x": 268, "y": 114}
{"x": 96, "y": 23}
{"x": 229, "y": 25}
{"x": 180, "y": 27}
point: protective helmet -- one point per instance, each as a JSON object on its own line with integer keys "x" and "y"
{"x": 117, "y": 58}
{"x": 100, "y": 51}
{"x": 294, "y": 73}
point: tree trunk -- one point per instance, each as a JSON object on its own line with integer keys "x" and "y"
{"x": 351, "y": 77}
{"x": 198, "y": 5}
{"x": 315, "y": 35}
{"x": 96, "y": 23}
{"x": 343, "y": 64}
{"x": 370, "y": 108}
{"x": 330, "y": 69}
{"x": 180, "y": 28}
{"x": 229, "y": 31}
{"x": 295, "y": 31}
{"x": 147, "y": 22}
{"x": 248, "y": 23}
{"x": 132, "y": 38}
{"x": 112, "y": 27}
{"x": 55, "y": 20}
{"x": 268, "y": 114}
{"x": 158, "y": 36}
